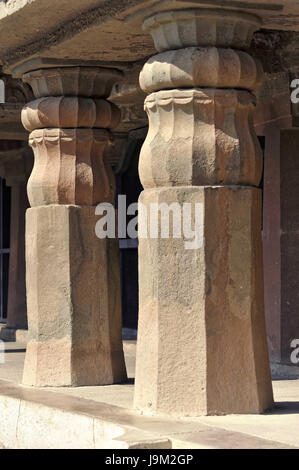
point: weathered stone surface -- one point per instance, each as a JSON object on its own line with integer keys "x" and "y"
{"x": 205, "y": 136}
{"x": 73, "y": 280}
{"x": 273, "y": 109}
{"x": 208, "y": 27}
{"x": 89, "y": 418}
{"x": 9, "y": 412}
{"x": 130, "y": 100}
{"x": 69, "y": 167}
{"x": 281, "y": 237}
{"x": 93, "y": 82}
{"x": 70, "y": 112}
{"x": 73, "y": 300}
{"x": 201, "y": 342}
{"x": 201, "y": 67}
{"x": 108, "y": 31}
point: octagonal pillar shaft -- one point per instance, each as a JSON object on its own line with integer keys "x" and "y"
{"x": 201, "y": 340}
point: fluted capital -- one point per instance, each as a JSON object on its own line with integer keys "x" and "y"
{"x": 200, "y": 107}
{"x": 200, "y": 137}
{"x": 70, "y": 112}
{"x": 69, "y": 167}
{"x": 96, "y": 82}
{"x": 70, "y": 122}
{"x": 201, "y": 27}
{"x": 201, "y": 67}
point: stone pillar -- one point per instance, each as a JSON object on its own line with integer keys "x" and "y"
{"x": 281, "y": 238}
{"x": 281, "y": 233}
{"x": 73, "y": 281}
{"x": 16, "y": 164}
{"x": 201, "y": 341}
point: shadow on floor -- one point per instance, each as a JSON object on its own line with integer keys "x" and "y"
{"x": 130, "y": 381}
{"x": 15, "y": 351}
{"x": 279, "y": 379}
{"x": 283, "y": 408}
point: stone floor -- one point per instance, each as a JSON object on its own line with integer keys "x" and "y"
{"x": 103, "y": 417}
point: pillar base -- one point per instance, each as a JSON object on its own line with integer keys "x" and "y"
{"x": 284, "y": 371}
{"x": 13, "y": 334}
{"x": 201, "y": 346}
{"x": 73, "y": 300}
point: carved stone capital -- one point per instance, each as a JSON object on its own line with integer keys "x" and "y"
{"x": 201, "y": 67}
{"x": 205, "y": 27}
{"x": 16, "y": 91}
{"x": 200, "y": 137}
{"x": 69, "y": 167}
{"x": 70, "y": 123}
{"x": 201, "y": 130}
{"x": 130, "y": 100}
{"x": 93, "y": 82}
{"x": 70, "y": 112}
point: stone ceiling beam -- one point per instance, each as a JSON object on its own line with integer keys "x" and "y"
{"x": 115, "y": 24}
